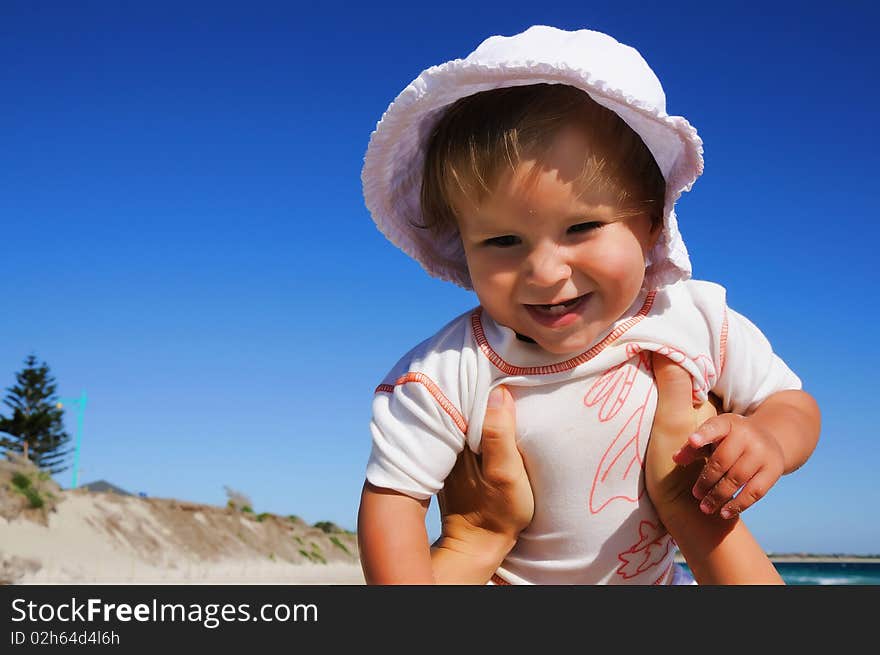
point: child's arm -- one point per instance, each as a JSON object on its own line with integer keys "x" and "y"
{"x": 392, "y": 539}
{"x": 720, "y": 552}
{"x": 752, "y": 452}
{"x": 772, "y": 427}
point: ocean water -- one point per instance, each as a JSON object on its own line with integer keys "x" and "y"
{"x": 829, "y": 573}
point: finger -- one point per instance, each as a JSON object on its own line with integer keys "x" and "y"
{"x": 752, "y": 492}
{"x": 687, "y": 455}
{"x": 717, "y": 466}
{"x": 501, "y": 460}
{"x": 743, "y": 470}
{"x": 711, "y": 431}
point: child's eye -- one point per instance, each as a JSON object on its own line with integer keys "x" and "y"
{"x": 506, "y": 241}
{"x": 585, "y": 227}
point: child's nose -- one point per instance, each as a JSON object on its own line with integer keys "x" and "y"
{"x": 547, "y": 266}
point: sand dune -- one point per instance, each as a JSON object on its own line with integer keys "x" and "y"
{"x": 106, "y": 538}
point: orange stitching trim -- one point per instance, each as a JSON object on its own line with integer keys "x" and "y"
{"x": 665, "y": 573}
{"x": 434, "y": 390}
{"x": 723, "y": 344}
{"x": 567, "y": 365}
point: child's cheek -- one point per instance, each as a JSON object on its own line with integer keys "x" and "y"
{"x": 620, "y": 266}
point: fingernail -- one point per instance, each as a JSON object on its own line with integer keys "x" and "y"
{"x": 696, "y": 492}
{"x": 705, "y": 507}
{"x": 696, "y": 439}
{"x": 726, "y": 513}
{"x": 496, "y": 398}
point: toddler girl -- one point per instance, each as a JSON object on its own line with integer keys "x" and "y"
{"x": 541, "y": 172}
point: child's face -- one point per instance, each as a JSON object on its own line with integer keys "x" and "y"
{"x": 549, "y": 264}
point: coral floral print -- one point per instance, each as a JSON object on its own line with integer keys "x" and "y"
{"x": 622, "y": 458}
{"x": 652, "y": 548}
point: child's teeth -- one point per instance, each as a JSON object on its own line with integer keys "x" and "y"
{"x": 559, "y": 308}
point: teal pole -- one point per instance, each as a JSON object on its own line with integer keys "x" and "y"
{"x": 80, "y": 412}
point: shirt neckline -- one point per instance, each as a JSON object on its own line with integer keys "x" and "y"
{"x": 493, "y": 338}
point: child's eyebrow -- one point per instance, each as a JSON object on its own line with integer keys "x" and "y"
{"x": 585, "y": 215}
{"x": 480, "y": 222}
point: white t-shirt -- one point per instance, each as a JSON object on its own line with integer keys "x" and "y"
{"x": 582, "y": 424}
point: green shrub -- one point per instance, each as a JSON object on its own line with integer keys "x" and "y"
{"x": 262, "y": 516}
{"x": 34, "y": 498}
{"x": 22, "y": 484}
{"x": 315, "y": 556}
{"x": 339, "y": 544}
{"x": 20, "y": 481}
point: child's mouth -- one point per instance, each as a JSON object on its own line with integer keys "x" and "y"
{"x": 560, "y": 314}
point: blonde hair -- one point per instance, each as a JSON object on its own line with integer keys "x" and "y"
{"x": 480, "y": 134}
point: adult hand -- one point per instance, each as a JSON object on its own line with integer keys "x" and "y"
{"x": 718, "y": 551}
{"x": 669, "y": 484}
{"x": 491, "y": 491}
{"x": 485, "y": 503}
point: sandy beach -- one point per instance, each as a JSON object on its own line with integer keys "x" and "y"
{"x": 106, "y": 538}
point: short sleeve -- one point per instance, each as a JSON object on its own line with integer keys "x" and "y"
{"x": 417, "y": 436}
{"x": 749, "y": 369}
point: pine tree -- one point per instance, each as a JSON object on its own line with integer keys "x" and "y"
{"x": 36, "y": 418}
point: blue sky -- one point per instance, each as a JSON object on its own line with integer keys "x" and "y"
{"x": 184, "y": 235}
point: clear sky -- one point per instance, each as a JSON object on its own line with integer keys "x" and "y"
{"x": 184, "y": 235}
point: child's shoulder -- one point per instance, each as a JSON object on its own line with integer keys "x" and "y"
{"x": 689, "y": 314}
{"x": 699, "y": 292}
{"x": 692, "y": 297}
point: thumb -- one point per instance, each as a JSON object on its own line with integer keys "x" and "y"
{"x": 501, "y": 460}
{"x": 674, "y": 415}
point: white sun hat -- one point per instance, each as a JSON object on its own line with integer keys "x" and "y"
{"x": 613, "y": 74}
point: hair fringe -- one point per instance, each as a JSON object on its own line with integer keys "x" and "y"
{"x": 482, "y": 135}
